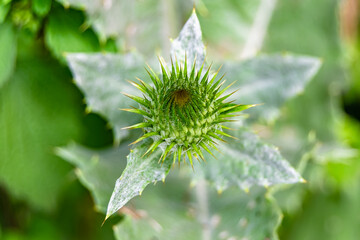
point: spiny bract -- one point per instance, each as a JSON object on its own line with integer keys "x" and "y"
{"x": 183, "y": 111}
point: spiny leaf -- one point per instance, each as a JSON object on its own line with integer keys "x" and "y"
{"x": 271, "y": 80}
{"x": 139, "y": 172}
{"x": 189, "y": 43}
{"x": 246, "y": 162}
{"x": 238, "y": 215}
{"x": 112, "y": 19}
{"x": 102, "y": 77}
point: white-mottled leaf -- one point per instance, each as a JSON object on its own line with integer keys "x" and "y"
{"x": 253, "y": 215}
{"x": 109, "y": 18}
{"x": 270, "y": 80}
{"x": 189, "y": 43}
{"x": 246, "y": 162}
{"x": 134, "y": 24}
{"x": 102, "y": 78}
{"x": 175, "y": 211}
{"x": 139, "y": 172}
{"x": 97, "y": 170}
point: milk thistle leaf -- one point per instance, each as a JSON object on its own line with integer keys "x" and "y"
{"x": 189, "y": 43}
{"x": 270, "y": 80}
{"x": 254, "y": 215}
{"x": 247, "y": 162}
{"x": 184, "y": 112}
{"x": 139, "y": 172}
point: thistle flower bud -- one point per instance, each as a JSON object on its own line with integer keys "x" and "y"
{"x": 183, "y": 111}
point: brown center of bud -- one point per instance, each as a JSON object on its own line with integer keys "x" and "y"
{"x": 181, "y": 97}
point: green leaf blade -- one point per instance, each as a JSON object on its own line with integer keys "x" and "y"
{"x": 41, "y": 7}
{"x": 270, "y": 80}
{"x": 189, "y": 43}
{"x": 7, "y": 51}
{"x": 168, "y": 209}
{"x": 64, "y": 33}
{"x": 139, "y": 172}
{"x": 248, "y": 162}
{"x": 114, "y": 19}
{"x": 39, "y": 110}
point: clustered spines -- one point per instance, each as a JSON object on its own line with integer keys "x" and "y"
{"x": 184, "y": 111}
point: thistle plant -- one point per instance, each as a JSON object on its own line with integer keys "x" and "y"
{"x": 185, "y": 108}
{"x": 184, "y": 111}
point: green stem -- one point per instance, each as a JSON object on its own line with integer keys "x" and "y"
{"x": 203, "y": 209}
{"x": 259, "y": 28}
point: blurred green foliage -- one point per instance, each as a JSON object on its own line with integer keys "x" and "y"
{"x": 299, "y": 26}
{"x": 329, "y": 202}
{"x": 36, "y": 116}
{"x": 41, "y": 109}
{"x": 63, "y": 33}
{"x": 7, "y": 48}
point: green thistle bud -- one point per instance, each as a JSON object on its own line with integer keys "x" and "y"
{"x": 183, "y": 111}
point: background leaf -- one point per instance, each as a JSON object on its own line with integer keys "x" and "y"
{"x": 96, "y": 169}
{"x": 41, "y": 7}
{"x": 102, "y": 78}
{"x": 133, "y": 229}
{"x": 246, "y": 162}
{"x": 4, "y": 9}
{"x": 63, "y": 33}
{"x": 340, "y": 225}
{"x": 167, "y": 209}
{"x": 7, "y": 51}
{"x": 39, "y": 109}
{"x": 189, "y": 43}
{"x": 134, "y": 24}
{"x": 321, "y": 31}
{"x": 225, "y": 38}
{"x": 139, "y": 172}
{"x": 270, "y": 80}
